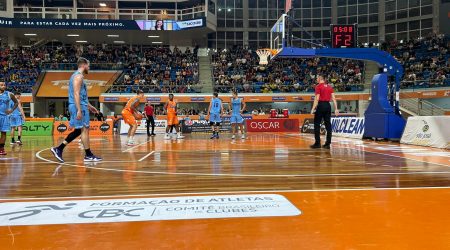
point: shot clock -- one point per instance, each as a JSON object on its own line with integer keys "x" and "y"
{"x": 344, "y": 36}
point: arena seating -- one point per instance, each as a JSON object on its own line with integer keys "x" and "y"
{"x": 239, "y": 68}
{"x": 19, "y": 69}
{"x": 161, "y": 70}
{"x": 426, "y": 61}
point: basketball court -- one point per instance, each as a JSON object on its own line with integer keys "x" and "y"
{"x": 360, "y": 193}
{"x": 268, "y": 191}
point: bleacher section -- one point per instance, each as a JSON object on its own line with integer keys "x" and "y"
{"x": 162, "y": 70}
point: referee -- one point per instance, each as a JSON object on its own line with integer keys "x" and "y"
{"x": 149, "y": 115}
{"x": 322, "y": 110}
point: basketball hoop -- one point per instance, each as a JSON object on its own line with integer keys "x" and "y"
{"x": 264, "y": 55}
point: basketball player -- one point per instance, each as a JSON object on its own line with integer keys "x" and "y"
{"x": 79, "y": 108}
{"x": 172, "y": 119}
{"x": 322, "y": 110}
{"x": 237, "y": 107}
{"x": 17, "y": 119}
{"x": 129, "y": 114}
{"x": 5, "y": 110}
{"x": 215, "y": 112}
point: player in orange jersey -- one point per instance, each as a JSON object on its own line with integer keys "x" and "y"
{"x": 130, "y": 116}
{"x": 172, "y": 119}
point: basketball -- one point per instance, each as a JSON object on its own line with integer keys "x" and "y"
{"x": 138, "y": 115}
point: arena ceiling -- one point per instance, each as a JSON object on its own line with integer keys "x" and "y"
{"x": 134, "y": 37}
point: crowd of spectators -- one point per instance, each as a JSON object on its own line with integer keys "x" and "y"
{"x": 161, "y": 70}
{"x": 153, "y": 69}
{"x": 19, "y": 69}
{"x": 164, "y": 70}
{"x": 426, "y": 61}
{"x": 239, "y": 68}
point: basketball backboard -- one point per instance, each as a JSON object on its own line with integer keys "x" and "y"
{"x": 278, "y": 35}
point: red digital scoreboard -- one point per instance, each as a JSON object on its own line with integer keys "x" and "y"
{"x": 344, "y": 36}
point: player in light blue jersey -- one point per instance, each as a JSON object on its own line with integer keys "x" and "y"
{"x": 5, "y": 110}
{"x": 79, "y": 108}
{"x": 237, "y": 107}
{"x": 16, "y": 119}
{"x": 215, "y": 112}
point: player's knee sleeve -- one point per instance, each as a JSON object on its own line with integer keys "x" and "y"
{"x": 72, "y": 136}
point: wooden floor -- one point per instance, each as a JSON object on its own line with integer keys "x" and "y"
{"x": 358, "y": 195}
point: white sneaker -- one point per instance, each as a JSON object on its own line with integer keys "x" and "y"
{"x": 180, "y": 137}
{"x": 233, "y": 137}
{"x": 243, "y": 136}
{"x": 131, "y": 143}
{"x": 167, "y": 137}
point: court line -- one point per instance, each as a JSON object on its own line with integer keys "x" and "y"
{"x": 402, "y": 157}
{"x": 237, "y": 175}
{"x": 147, "y": 155}
{"x": 140, "y": 144}
{"x": 222, "y": 192}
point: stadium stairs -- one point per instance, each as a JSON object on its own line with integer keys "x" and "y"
{"x": 205, "y": 71}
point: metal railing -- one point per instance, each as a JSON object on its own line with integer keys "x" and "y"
{"x": 73, "y": 66}
{"x": 109, "y": 13}
{"x": 126, "y": 89}
{"x": 419, "y": 106}
{"x": 423, "y": 84}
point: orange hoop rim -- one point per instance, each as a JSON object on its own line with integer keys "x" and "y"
{"x": 272, "y": 51}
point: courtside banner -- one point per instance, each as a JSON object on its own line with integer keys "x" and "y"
{"x": 350, "y": 127}
{"x": 145, "y": 209}
{"x": 160, "y": 127}
{"x": 56, "y": 83}
{"x": 37, "y": 128}
{"x": 273, "y": 125}
{"x": 429, "y": 131}
{"x": 308, "y": 126}
{"x": 202, "y": 126}
{"x": 99, "y": 24}
{"x": 62, "y": 128}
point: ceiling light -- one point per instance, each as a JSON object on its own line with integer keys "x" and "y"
{"x": 102, "y": 4}
{"x": 119, "y": 41}
{"x": 112, "y": 35}
{"x": 157, "y": 42}
{"x": 153, "y": 36}
{"x": 73, "y": 35}
{"x": 30, "y": 34}
{"x": 81, "y": 41}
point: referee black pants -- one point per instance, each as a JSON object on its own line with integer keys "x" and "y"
{"x": 150, "y": 122}
{"x": 323, "y": 111}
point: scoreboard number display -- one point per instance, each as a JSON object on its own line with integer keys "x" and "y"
{"x": 344, "y": 36}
